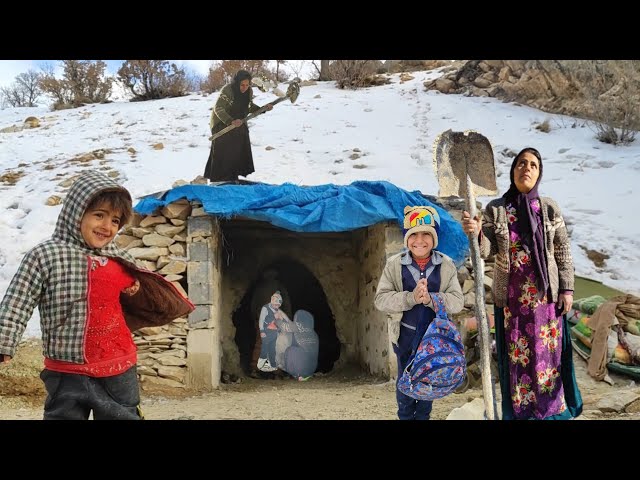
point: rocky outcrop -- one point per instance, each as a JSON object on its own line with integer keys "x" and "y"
{"x": 569, "y": 87}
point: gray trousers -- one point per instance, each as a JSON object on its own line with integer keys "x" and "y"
{"x": 72, "y": 396}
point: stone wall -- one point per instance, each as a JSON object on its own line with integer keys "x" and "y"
{"x": 158, "y": 243}
{"x": 204, "y": 276}
{"x": 371, "y": 330}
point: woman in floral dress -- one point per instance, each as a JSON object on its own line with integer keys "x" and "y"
{"x": 533, "y": 290}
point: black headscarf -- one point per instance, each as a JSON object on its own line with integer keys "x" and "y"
{"x": 534, "y": 240}
{"x": 240, "y": 107}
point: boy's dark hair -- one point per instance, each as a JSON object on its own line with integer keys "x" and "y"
{"x": 118, "y": 200}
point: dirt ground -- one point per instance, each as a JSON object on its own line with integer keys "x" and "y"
{"x": 339, "y": 395}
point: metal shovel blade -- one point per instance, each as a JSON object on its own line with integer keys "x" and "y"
{"x": 465, "y": 168}
{"x": 293, "y": 90}
{"x": 458, "y": 154}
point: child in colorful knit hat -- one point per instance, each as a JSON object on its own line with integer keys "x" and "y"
{"x": 409, "y": 281}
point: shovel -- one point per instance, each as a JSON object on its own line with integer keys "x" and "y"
{"x": 465, "y": 168}
{"x": 292, "y": 94}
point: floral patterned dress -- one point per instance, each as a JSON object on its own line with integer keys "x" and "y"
{"x": 533, "y": 333}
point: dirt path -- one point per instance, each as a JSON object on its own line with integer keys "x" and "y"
{"x": 346, "y": 394}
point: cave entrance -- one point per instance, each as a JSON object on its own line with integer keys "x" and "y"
{"x": 300, "y": 290}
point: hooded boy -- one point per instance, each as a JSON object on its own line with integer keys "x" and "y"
{"x": 91, "y": 295}
{"x": 409, "y": 281}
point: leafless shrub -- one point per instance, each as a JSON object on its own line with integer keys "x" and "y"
{"x": 152, "y": 79}
{"x": 297, "y": 66}
{"x": 544, "y": 127}
{"x": 351, "y": 73}
{"x": 568, "y": 122}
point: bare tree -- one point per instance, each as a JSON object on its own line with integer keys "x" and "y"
{"x": 24, "y": 92}
{"x": 323, "y": 71}
{"x": 62, "y": 96}
{"x": 297, "y": 66}
{"x": 278, "y": 63}
{"x": 28, "y": 83}
{"x": 193, "y": 80}
{"x": 87, "y": 81}
{"x": 11, "y": 96}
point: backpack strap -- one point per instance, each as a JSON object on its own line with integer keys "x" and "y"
{"x": 416, "y": 276}
{"x": 438, "y": 303}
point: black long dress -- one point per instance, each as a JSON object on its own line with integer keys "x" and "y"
{"x": 230, "y": 155}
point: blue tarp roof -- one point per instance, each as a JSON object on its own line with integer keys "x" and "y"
{"x": 321, "y": 208}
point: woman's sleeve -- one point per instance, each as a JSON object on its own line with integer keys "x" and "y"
{"x": 562, "y": 252}
{"x": 487, "y": 237}
{"x": 223, "y": 106}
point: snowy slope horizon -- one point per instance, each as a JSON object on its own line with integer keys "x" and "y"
{"x": 327, "y": 136}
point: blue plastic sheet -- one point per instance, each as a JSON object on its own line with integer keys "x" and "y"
{"x": 321, "y": 208}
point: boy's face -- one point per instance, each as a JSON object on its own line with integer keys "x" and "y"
{"x": 99, "y": 225}
{"x": 276, "y": 301}
{"x": 420, "y": 244}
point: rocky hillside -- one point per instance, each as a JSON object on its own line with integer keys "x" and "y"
{"x": 571, "y": 87}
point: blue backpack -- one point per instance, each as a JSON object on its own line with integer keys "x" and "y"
{"x": 438, "y": 365}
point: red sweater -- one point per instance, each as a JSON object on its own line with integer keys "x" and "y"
{"x": 108, "y": 345}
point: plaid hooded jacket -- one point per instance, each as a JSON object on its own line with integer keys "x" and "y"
{"x": 54, "y": 276}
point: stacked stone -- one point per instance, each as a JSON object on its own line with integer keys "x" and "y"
{"x": 158, "y": 243}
